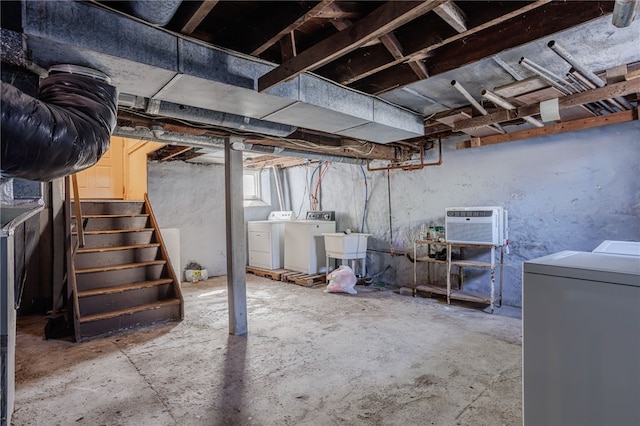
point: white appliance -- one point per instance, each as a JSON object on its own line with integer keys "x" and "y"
{"x": 304, "y": 243}
{"x": 581, "y": 339}
{"x": 627, "y": 248}
{"x": 266, "y": 240}
{"x": 476, "y": 225}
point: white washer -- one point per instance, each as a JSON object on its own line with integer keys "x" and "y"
{"x": 265, "y": 240}
{"x": 304, "y": 243}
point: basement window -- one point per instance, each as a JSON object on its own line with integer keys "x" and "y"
{"x": 255, "y": 186}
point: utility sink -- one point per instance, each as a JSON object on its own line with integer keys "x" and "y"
{"x": 346, "y": 246}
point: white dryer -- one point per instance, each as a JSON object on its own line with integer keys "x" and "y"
{"x": 304, "y": 243}
{"x": 265, "y": 240}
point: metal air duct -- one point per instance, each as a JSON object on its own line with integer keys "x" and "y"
{"x": 217, "y": 118}
{"x": 63, "y": 132}
{"x": 154, "y": 11}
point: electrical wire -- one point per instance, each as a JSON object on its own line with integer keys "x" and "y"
{"x": 366, "y": 198}
{"x": 306, "y": 190}
{"x": 315, "y": 192}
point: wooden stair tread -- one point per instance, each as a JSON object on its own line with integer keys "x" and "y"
{"x": 97, "y": 216}
{"x": 129, "y": 311}
{"x": 114, "y": 231}
{"x": 124, "y": 287}
{"x": 116, "y": 248}
{"x": 120, "y": 267}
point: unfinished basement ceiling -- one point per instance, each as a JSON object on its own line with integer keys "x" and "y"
{"x": 356, "y": 79}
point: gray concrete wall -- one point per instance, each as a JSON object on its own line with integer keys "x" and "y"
{"x": 568, "y": 191}
{"x": 191, "y": 197}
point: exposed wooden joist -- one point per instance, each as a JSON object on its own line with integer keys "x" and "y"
{"x": 452, "y": 15}
{"x": 395, "y": 48}
{"x": 171, "y": 151}
{"x": 311, "y": 14}
{"x": 569, "y": 126}
{"x": 373, "y": 64}
{"x": 614, "y": 90}
{"x": 288, "y": 46}
{"x": 381, "y": 21}
{"x": 199, "y": 15}
{"x": 540, "y": 22}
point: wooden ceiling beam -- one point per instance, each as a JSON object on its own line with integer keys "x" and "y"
{"x": 452, "y": 15}
{"x": 171, "y": 151}
{"x": 203, "y": 10}
{"x": 382, "y": 20}
{"x": 622, "y": 88}
{"x": 311, "y": 14}
{"x": 509, "y": 31}
{"x": 553, "y": 129}
{"x": 288, "y": 46}
{"x": 357, "y": 67}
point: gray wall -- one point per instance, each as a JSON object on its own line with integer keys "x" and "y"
{"x": 563, "y": 192}
{"x": 191, "y": 197}
{"x": 569, "y": 191}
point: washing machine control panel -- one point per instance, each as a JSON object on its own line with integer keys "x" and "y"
{"x": 321, "y": 215}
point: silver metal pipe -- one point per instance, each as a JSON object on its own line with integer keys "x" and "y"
{"x": 475, "y": 103}
{"x": 624, "y": 12}
{"x": 547, "y": 74}
{"x": 583, "y": 87}
{"x": 590, "y": 85}
{"x": 507, "y": 105}
{"x": 157, "y": 134}
{"x": 276, "y": 178}
{"x": 546, "y": 78}
{"x": 564, "y": 54}
{"x": 507, "y": 68}
{"x": 289, "y": 152}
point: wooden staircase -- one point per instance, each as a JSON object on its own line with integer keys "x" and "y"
{"x": 123, "y": 275}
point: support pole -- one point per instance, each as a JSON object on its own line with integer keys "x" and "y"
{"x": 236, "y": 252}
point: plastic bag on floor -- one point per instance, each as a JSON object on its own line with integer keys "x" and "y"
{"x": 342, "y": 280}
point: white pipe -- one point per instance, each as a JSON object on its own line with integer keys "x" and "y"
{"x": 546, "y": 78}
{"x": 564, "y": 54}
{"x": 549, "y": 76}
{"x": 582, "y": 87}
{"x": 475, "y": 103}
{"x": 276, "y": 176}
{"x": 507, "y": 105}
{"x": 624, "y": 12}
{"x": 590, "y": 85}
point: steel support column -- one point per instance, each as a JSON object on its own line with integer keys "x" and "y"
{"x": 236, "y": 252}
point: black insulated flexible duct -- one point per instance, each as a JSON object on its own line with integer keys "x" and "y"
{"x": 63, "y": 132}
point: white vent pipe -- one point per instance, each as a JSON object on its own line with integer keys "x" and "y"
{"x": 475, "y": 103}
{"x": 507, "y": 105}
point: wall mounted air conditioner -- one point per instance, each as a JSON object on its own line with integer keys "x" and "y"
{"x": 476, "y": 225}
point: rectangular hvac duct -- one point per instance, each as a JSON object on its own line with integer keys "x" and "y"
{"x": 147, "y": 61}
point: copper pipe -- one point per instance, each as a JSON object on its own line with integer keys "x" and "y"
{"x": 412, "y": 167}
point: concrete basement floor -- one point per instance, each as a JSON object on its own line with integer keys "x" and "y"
{"x": 375, "y": 358}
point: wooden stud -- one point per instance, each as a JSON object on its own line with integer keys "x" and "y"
{"x": 553, "y": 129}
{"x": 452, "y": 15}
{"x": 381, "y": 21}
{"x": 198, "y": 16}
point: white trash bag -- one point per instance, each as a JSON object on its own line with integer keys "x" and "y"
{"x": 342, "y": 280}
